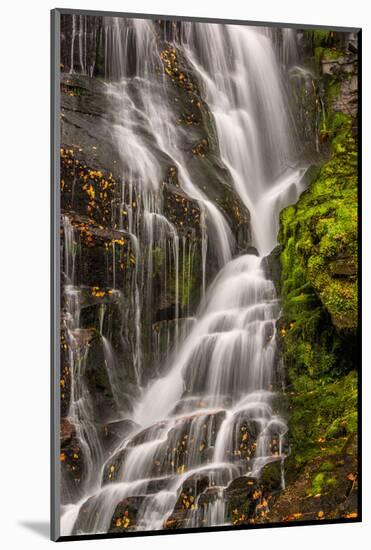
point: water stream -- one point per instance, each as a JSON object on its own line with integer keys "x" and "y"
{"x": 217, "y": 393}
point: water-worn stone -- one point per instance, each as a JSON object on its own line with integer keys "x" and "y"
{"x": 125, "y": 514}
{"x": 186, "y": 503}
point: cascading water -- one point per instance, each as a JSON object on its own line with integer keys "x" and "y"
{"x": 245, "y": 92}
{"x": 211, "y": 412}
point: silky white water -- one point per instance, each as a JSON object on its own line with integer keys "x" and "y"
{"x": 221, "y": 374}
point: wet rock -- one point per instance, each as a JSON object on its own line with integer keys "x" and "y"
{"x": 104, "y": 257}
{"x": 113, "y": 467}
{"x": 65, "y": 378}
{"x": 187, "y": 405}
{"x": 272, "y": 266}
{"x": 270, "y": 477}
{"x": 72, "y": 462}
{"x": 86, "y": 517}
{"x": 195, "y": 484}
{"x": 209, "y": 495}
{"x": 178, "y": 519}
{"x": 242, "y": 497}
{"x": 101, "y": 310}
{"x": 115, "y": 432}
{"x": 105, "y": 383}
{"x": 84, "y": 123}
{"x": 126, "y": 514}
{"x": 166, "y": 313}
{"x": 190, "y": 441}
{"x": 343, "y": 268}
{"x": 240, "y": 486}
{"x": 67, "y": 432}
{"x": 182, "y": 211}
{"x": 148, "y": 434}
{"x": 186, "y": 503}
{"x": 164, "y": 332}
{"x": 243, "y": 446}
{"x": 156, "y": 485}
{"x": 92, "y": 53}
{"x": 252, "y": 250}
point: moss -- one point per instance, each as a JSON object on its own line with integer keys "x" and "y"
{"x": 320, "y": 230}
{"x": 317, "y": 409}
{"x": 318, "y": 37}
{"x": 158, "y": 258}
{"x": 188, "y": 283}
{"x": 318, "y": 328}
{"x": 322, "y": 483}
{"x": 327, "y": 466}
{"x": 271, "y": 476}
{"x": 189, "y": 277}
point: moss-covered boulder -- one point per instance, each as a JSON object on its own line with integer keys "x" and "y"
{"x": 242, "y": 497}
{"x": 270, "y": 477}
{"x": 125, "y": 515}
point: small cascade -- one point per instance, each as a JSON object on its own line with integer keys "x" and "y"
{"x": 85, "y": 36}
{"x": 219, "y": 388}
{"x": 80, "y": 414}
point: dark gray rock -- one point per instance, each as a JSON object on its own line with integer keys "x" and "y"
{"x": 272, "y": 266}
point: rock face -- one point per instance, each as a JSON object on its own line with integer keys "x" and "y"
{"x": 318, "y": 282}
{"x": 329, "y": 80}
{"x": 272, "y": 266}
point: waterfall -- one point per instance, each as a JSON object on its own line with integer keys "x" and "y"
{"x": 209, "y": 409}
{"x": 239, "y": 70}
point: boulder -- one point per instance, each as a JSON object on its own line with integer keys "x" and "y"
{"x": 270, "y": 477}
{"x": 72, "y": 463}
{"x": 272, "y": 266}
{"x": 186, "y": 503}
{"x": 126, "y": 514}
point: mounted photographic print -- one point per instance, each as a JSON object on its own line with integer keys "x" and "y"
{"x": 205, "y": 268}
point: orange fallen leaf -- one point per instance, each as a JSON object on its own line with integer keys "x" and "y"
{"x": 321, "y": 514}
{"x": 351, "y": 477}
{"x": 351, "y": 515}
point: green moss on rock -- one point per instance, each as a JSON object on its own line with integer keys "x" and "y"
{"x": 318, "y": 328}
{"x": 319, "y": 234}
{"x": 318, "y": 37}
{"x": 323, "y": 417}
